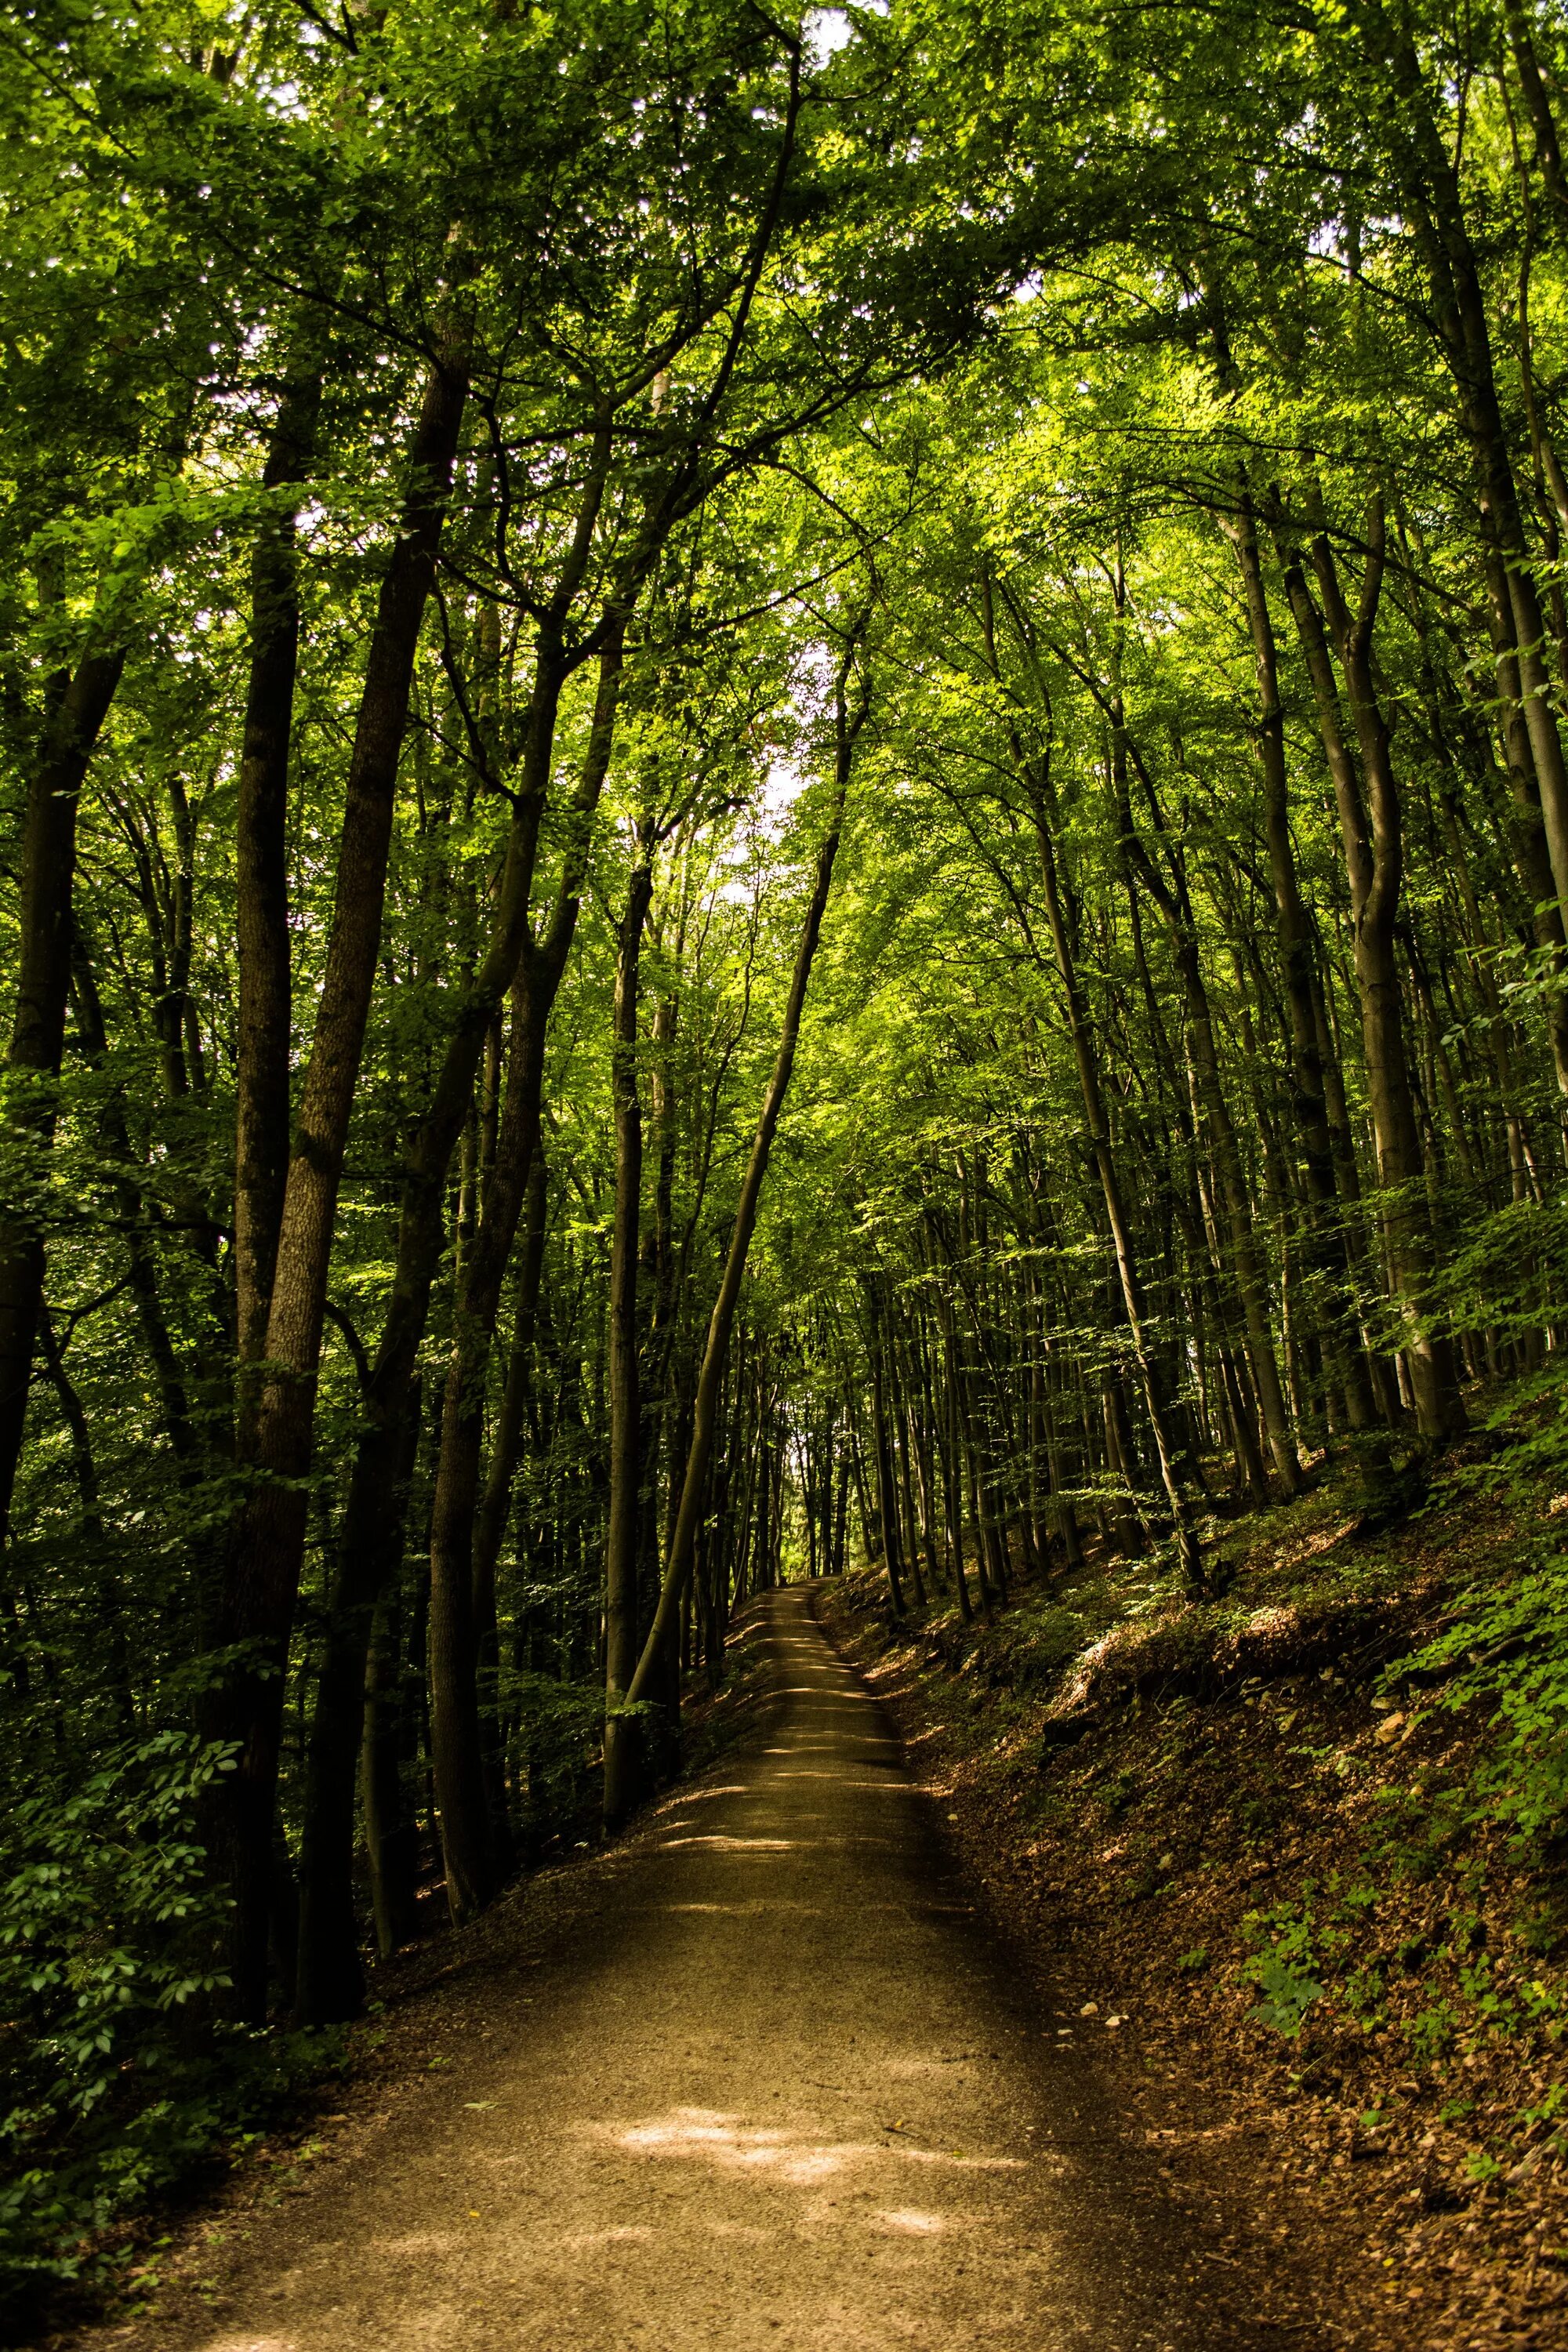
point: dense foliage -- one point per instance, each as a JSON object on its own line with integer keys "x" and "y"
{"x": 507, "y": 517}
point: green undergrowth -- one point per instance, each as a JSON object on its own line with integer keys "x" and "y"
{"x": 115, "y": 2081}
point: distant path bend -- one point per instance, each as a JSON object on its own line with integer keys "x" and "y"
{"x": 771, "y": 2089}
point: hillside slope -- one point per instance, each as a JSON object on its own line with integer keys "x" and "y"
{"x": 1275, "y": 1862}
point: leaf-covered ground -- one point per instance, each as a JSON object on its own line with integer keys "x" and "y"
{"x": 1268, "y": 1873}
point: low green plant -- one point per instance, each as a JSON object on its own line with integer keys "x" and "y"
{"x": 1286, "y": 1969}
{"x": 1539, "y": 1932}
{"x": 1507, "y": 1650}
{"x": 1504, "y": 1647}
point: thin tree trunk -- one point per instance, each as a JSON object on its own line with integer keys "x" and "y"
{"x": 1087, "y": 1060}
{"x": 682, "y": 1552}
{"x": 261, "y": 884}
{"x": 495, "y": 1505}
{"x": 94, "y": 1536}
{"x": 79, "y": 706}
{"x": 621, "y": 1738}
{"x": 1293, "y": 930}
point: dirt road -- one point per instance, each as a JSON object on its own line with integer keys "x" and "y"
{"x": 769, "y": 2088}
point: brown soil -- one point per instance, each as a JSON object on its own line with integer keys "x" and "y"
{"x": 760, "y": 2076}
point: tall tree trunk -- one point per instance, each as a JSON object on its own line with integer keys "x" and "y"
{"x": 1527, "y": 830}
{"x": 370, "y": 1533}
{"x": 1375, "y": 864}
{"x": 621, "y": 1741}
{"x": 1327, "y": 1246}
{"x": 454, "y": 1645}
{"x": 386, "y": 1759}
{"x": 261, "y": 884}
{"x": 1177, "y": 914}
{"x": 245, "y": 1704}
{"x": 887, "y": 1498}
{"x": 457, "y": 1742}
{"x": 1435, "y": 192}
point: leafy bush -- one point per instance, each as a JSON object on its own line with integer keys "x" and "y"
{"x": 113, "y": 2075}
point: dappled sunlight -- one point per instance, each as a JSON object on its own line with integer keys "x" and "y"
{"x": 772, "y": 2153}
{"x": 908, "y": 2222}
{"x": 888, "y": 1788}
{"x": 835, "y": 1747}
{"x": 831, "y": 1698}
{"x": 713, "y": 1838}
{"x": 701, "y": 1796}
{"x": 750, "y": 1909}
{"x": 626, "y": 2233}
{"x": 849, "y": 1840}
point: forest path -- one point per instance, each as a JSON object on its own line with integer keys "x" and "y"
{"x": 769, "y": 2088}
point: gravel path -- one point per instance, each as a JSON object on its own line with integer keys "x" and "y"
{"x": 769, "y": 2086}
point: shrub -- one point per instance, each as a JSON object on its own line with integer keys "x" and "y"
{"x": 112, "y": 2074}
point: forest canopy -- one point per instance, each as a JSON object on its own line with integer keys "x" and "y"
{"x": 774, "y": 788}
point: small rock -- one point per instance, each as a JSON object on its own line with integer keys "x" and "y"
{"x": 1389, "y": 1730}
{"x": 1090, "y": 2008}
{"x": 1112, "y": 2024}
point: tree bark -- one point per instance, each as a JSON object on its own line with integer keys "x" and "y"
{"x": 79, "y": 706}
{"x": 1177, "y": 915}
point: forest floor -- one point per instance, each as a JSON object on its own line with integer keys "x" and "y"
{"x": 761, "y": 2073}
{"x": 1322, "y": 1985}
